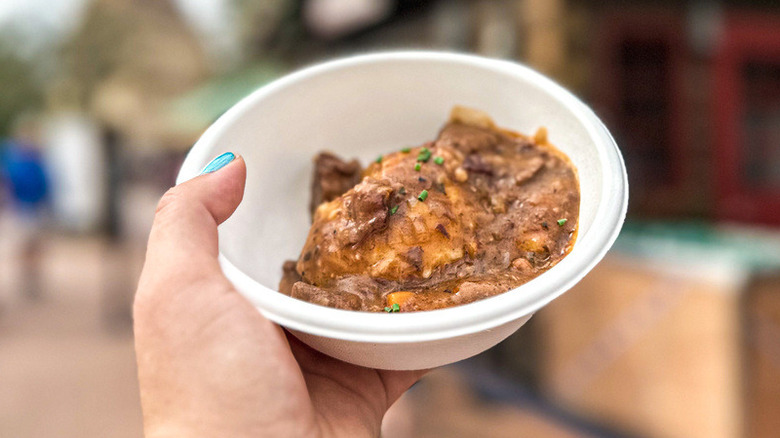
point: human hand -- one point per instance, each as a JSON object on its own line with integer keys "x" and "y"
{"x": 210, "y": 365}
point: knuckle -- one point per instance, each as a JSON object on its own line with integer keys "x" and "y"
{"x": 171, "y": 206}
{"x": 169, "y": 201}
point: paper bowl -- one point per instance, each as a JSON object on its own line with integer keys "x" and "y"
{"x": 370, "y": 104}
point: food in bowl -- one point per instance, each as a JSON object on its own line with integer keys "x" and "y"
{"x": 475, "y": 213}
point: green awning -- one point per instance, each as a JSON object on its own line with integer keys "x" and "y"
{"x": 195, "y": 110}
{"x": 744, "y": 246}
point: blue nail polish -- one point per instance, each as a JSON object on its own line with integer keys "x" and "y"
{"x": 218, "y": 163}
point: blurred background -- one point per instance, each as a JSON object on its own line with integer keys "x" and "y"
{"x": 675, "y": 334}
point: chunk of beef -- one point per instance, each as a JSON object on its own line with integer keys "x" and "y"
{"x": 289, "y": 277}
{"x": 414, "y": 256}
{"x": 368, "y": 210}
{"x": 330, "y": 298}
{"x": 332, "y": 178}
{"x": 470, "y": 291}
{"x": 530, "y": 169}
{"x": 475, "y": 163}
{"x": 467, "y": 139}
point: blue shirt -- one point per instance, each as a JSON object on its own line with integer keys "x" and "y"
{"x": 22, "y": 168}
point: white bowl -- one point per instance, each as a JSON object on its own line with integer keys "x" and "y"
{"x": 370, "y": 104}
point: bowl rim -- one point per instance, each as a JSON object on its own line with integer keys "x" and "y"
{"x": 449, "y": 322}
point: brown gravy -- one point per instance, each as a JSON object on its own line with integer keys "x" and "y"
{"x": 475, "y": 213}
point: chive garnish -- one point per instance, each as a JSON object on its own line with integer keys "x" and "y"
{"x": 394, "y": 209}
{"x": 393, "y": 309}
{"x": 424, "y": 155}
{"x": 438, "y": 160}
{"x": 561, "y": 222}
{"x": 379, "y": 159}
{"x": 423, "y": 195}
{"x": 406, "y": 150}
{"x": 417, "y": 167}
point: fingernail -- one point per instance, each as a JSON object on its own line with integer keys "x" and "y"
{"x": 218, "y": 163}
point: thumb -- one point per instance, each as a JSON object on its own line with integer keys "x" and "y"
{"x": 183, "y": 241}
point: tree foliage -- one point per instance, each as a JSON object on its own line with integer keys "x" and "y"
{"x": 19, "y": 90}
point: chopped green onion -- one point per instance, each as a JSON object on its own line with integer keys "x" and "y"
{"x": 561, "y": 222}
{"x": 388, "y": 310}
{"x": 394, "y": 209}
{"x": 423, "y": 195}
{"x": 393, "y": 309}
{"x": 425, "y": 155}
{"x": 406, "y": 150}
{"x": 438, "y": 160}
{"x": 417, "y": 167}
{"x": 379, "y": 159}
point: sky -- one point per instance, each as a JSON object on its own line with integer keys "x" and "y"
{"x": 40, "y": 24}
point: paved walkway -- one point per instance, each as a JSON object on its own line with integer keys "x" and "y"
{"x": 67, "y": 367}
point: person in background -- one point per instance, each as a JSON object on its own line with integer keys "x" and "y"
{"x": 26, "y": 185}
